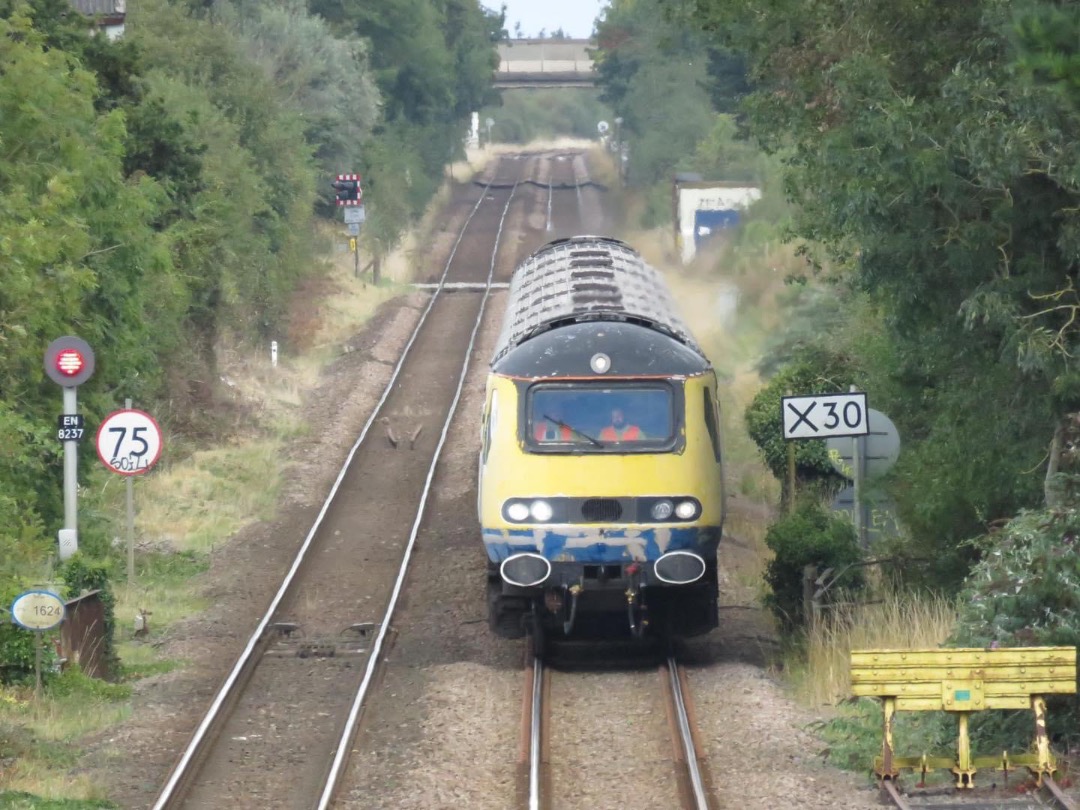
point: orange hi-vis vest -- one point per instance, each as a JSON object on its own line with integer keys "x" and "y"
{"x": 629, "y": 433}
{"x": 550, "y": 432}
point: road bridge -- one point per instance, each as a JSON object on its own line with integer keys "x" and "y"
{"x": 533, "y": 63}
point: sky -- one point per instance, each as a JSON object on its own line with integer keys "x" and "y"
{"x": 575, "y": 17}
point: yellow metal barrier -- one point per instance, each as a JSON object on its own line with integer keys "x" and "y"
{"x": 963, "y": 681}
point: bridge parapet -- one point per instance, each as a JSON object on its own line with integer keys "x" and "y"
{"x": 545, "y": 62}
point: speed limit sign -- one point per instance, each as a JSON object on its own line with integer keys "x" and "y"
{"x": 129, "y": 441}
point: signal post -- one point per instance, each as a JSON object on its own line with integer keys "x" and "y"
{"x": 350, "y": 195}
{"x": 69, "y": 362}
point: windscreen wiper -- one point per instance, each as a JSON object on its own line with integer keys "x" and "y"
{"x": 573, "y": 429}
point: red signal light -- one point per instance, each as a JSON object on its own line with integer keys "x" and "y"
{"x": 69, "y": 362}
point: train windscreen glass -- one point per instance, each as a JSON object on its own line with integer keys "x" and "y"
{"x": 601, "y": 418}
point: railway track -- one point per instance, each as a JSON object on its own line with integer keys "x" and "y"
{"x": 276, "y": 733}
{"x": 652, "y": 753}
{"x": 1051, "y": 795}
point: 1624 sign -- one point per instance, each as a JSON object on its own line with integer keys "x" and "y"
{"x": 129, "y": 442}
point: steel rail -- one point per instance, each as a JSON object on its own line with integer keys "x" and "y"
{"x": 341, "y": 755}
{"x": 1058, "y": 795}
{"x": 535, "y": 719}
{"x": 193, "y": 748}
{"x": 894, "y": 793}
{"x": 682, "y": 719}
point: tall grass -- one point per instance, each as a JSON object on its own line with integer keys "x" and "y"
{"x": 36, "y": 754}
{"x": 820, "y": 673}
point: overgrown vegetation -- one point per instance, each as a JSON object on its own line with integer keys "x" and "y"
{"x": 37, "y": 737}
{"x": 527, "y": 115}
{"x": 158, "y": 191}
{"x": 157, "y": 198}
{"x": 927, "y": 152}
{"x": 674, "y": 92}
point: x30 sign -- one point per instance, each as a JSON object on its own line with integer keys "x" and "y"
{"x": 824, "y": 415}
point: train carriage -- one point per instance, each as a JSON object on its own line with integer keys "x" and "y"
{"x": 601, "y": 485}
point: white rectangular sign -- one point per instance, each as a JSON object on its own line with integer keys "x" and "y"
{"x": 355, "y": 215}
{"x": 823, "y": 415}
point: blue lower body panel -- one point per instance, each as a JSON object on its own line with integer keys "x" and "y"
{"x": 600, "y": 546}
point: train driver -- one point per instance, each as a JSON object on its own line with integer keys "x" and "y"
{"x": 551, "y": 427}
{"x": 620, "y": 430}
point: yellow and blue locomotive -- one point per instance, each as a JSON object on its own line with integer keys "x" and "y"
{"x": 601, "y": 484}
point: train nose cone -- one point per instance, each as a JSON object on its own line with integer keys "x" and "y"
{"x": 679, "y": 568}
{"x": 525, "y": 570}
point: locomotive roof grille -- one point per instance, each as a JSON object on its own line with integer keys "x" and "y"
{"x": 590, "y": 274}
{"x": 587, "y": 278}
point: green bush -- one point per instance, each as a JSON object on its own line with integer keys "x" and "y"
{"x": 1025, "y": 592}
{"x": 853, "y": 734}
{"x": 809, "y": 536}
{"x": 74, "y": 683}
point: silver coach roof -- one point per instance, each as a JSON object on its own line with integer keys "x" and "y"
{"x": 587, "y": 278}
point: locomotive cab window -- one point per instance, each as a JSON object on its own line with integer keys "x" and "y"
{"x": 587, "y": 418}
{"x": 488, "y": 426}
{"x": 712, "y": 424}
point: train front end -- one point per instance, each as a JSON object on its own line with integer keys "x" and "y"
{"x": 601, "y": 486}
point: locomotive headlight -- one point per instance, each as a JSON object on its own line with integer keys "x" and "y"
{"x": 517, "y": 511}
{"x": 686, "y": 510}
{"x": 661, "y": 510}
{"x": 600, "y": 363}
{"x": 541, "y": 511}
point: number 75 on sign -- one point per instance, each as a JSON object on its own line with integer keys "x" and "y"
{"x": 822, "y": 416}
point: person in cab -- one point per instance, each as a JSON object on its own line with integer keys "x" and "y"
{"x": 620, "y": 430}
{"x": 549, "y": 431}
{"x": 549, "y": 425}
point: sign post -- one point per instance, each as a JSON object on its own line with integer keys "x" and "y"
{"x": 37, "y": 611}
{"x": 129, "y": 443}
{"x": 354, "y": 218}
{"x": 865, "y": 458}
{"x": 69, "y": 362}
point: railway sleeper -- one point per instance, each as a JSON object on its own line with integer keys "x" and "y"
{"x": 291, "y": 641}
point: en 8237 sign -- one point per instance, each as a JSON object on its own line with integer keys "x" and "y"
{"x": 129, "y": 442}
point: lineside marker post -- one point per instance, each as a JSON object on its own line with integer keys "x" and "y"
{"x": 69, "y": 362}
{"x": 129, "y": 443}
{"x": 791, "y": 476}
{"x": 129, "y": 501}
{"x": 37, "y": 611}
{"x": 858, "y": 466}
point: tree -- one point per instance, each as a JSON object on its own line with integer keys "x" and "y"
{"x": 941, "y": 179}
{"x": 434, "y": 64}
{"x": 659, "y": 95}
{"x": 326, "y": 78}
{"x": 81, "y": 254}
